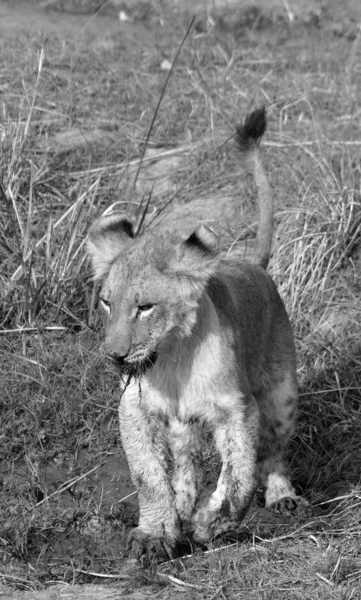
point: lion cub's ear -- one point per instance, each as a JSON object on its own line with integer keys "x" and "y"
{"x": 106, "y": 239}
{"x": 198, "y": 258}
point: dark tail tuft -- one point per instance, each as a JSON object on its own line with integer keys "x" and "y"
{"x": 249, "y": 135}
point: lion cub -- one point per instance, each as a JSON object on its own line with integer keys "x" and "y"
{"x": 202, "y": 341}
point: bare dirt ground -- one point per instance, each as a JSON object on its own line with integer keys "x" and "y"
{"x": 90, "y": 83}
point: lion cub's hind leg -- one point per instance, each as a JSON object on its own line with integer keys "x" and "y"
{"x": 185, "y": 442}
{"x": 278, "y": 407}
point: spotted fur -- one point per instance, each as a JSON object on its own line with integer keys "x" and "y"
{"x": 204, "y": 342}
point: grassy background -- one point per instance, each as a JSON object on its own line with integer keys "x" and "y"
{"x": 75, "y": 112}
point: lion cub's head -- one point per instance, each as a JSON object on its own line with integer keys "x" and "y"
{"x": 151, "y": 287}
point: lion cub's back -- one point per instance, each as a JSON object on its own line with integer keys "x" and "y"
{"x": 250, "y": 308}
{"x": 244, "y": 289}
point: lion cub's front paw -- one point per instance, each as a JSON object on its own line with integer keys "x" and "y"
{"x": 208, "y": 523}
{"x": 148, "y": 548}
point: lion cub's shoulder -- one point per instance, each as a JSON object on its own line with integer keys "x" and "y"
{"x": 241, "y": 291}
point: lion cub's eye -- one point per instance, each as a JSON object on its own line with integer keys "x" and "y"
{"x": 143, "y": 309}
{"x": 105, "y": 305}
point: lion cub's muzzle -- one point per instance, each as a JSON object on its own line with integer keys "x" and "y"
{"x": 132, "y": 364}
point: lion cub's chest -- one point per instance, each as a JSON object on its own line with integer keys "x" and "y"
{"x": 198, "y": 401}
{"x": 198, "y": 387}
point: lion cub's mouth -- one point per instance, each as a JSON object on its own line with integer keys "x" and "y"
{"x": 135, "y": 368}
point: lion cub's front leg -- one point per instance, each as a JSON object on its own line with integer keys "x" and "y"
{"x": 186, "y": 445}
{"x": 235, "y": 436}
{"x": 144, "y": 439}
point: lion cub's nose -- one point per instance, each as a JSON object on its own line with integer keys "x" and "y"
{"x": 116, "y": 356}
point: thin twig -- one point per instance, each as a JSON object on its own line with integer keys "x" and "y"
{"x": 14, "y": 578}
{"x": 205, "y": 552}
{"x": 144, "y": 212}
{"x": 92, "y": 16}
{"x": 129, "y": 163}
{"x": 329, "y": 391}
{"x": 338, "y": 499}
{"x": 287, "y": 536}
{"x": 179, "y": 582}
{"x": 170, "y": 73}
{"x": 323, "y": 578}
{"x": 125, "y": 498}
{"x": 33, "y": 329}
{"x": 315, "y": 143}
{"x": 103, "y": 575}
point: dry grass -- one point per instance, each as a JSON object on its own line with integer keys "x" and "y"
{"x": 59, "y": 399}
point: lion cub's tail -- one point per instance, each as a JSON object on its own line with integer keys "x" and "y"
{"x": 248, "y": 138}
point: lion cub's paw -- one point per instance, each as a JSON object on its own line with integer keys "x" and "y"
{"x": 148, "y": 548}
{"x": 208, "y": 523}
{"x": 290, "y": 505}
{"x": 281, "y": 497}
